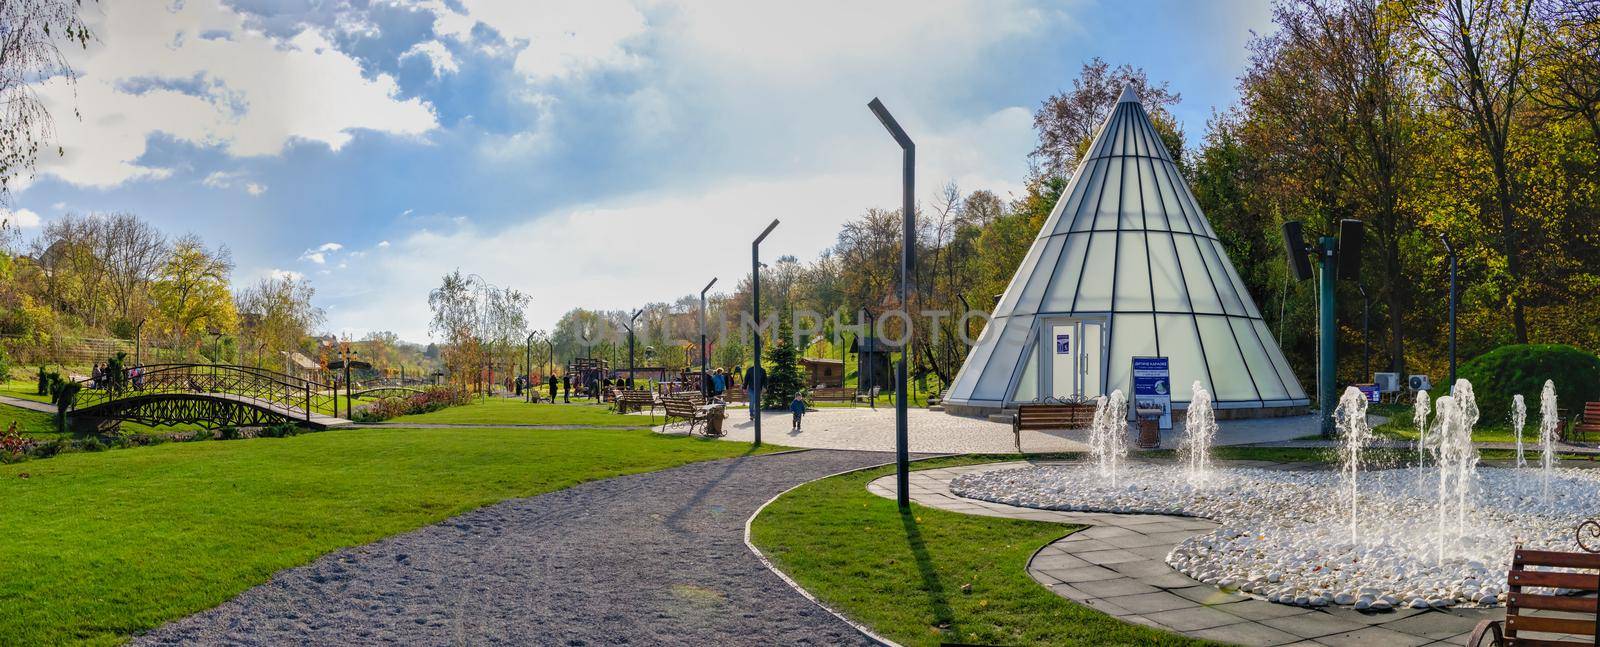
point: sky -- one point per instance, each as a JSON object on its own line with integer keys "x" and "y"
{"x": 600, "y": 154}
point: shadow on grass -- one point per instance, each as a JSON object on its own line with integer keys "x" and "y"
{"x": 943, "y": 616}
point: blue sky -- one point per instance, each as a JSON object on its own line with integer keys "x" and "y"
{"x": 603, "y": 153}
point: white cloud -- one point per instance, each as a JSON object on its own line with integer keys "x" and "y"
{"x": 282, "y": 275}
{"x": 330, "y": 247}
{"x": 249, "y": 94}
{"x": 438, "y": 56}
{"x": 561, "y": 39}
{"x": 390, "y": 291}
{"x": 229, "y": 179}
{"x": 19, "y": 218}
{"x": 320, "y": 254}
{"x": 254, "y": 189}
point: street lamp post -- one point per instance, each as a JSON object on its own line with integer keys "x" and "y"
{"x": 1366, "y": 346}
{"x": 908, "y": 174}
{"x": 705, "y": 379}
{"x": 631, "y": 320}
{"x": 872, "y": 352}
{"x": 755, "y": 309}
{"x": 527, "y": 366}
{"x": 1451, "y": 252}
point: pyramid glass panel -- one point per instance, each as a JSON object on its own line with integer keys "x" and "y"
{"x": 1127, "y": 257}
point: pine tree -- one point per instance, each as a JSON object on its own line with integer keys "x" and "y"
{"x": 783, "y": 378}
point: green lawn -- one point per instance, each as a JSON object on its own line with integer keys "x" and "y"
{"x": 904, "y": 575}
{"x": 25, "y": 389}
{"x": 507, "y": 411}
{"x": 102, "y": 545}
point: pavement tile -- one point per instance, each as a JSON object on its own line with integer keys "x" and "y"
{"x": 1083, "y": 574}
{"x": 1056, "y": 562}
{"x": 1313, "y": 625}
{"x": 1246, "y": 633}
{"x": 1105, "y": 557}
{"x": 1158, "y": 553}
{"x": 1373, "y": 636}
{"x": 1137, "y": 541}
{"x": 1109, "y": 608}
{"x": 1115, "y": 587}
{"x": 1209, "y": 595}
{"x": 1084, "y": 545}
{"x": 1193, "y": 618}
{"x": 1173, "y": 580}
{"x": 1260, "y": 610}
{"x": 1146, "y": 603}
{"x": 1439, "y": 626}
{"x": 1142, "y": 568}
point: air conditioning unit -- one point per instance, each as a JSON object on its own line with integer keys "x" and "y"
{"x": 1387, "y": 382}
{"x": 1419, "y": 383}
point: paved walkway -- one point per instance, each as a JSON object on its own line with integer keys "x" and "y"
{"x": 863, "y": 428}
{"x": 646, "y": 559}
{"x": 31, "y": 405}
{"x": 1118, "y": 566}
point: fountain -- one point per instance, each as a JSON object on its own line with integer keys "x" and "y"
{"x": 1199, "y": 430}
{"x": 1108, "y": 435}
{"x": 1354, "y": 432}
{"x": 1519, "y": 419}
{"x": 1433, "y": 534}
{"x": 1419, "y": 417}
{"x": 1549, "y": 420}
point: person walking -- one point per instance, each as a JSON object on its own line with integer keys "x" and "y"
{"x": 797, "y": 406}
{"x": 566, "y": 388}
{"x": 551, "y": 380}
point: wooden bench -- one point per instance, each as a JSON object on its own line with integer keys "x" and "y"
{"x": 735, "y": 394}
{"x": 1051, "y": 416}
{"x": 833, "y": 394}
{"x": 692, "y": 411}
{"x": 1589, "y": 422}
{"x": 1573, "y": 611}
{"x": 636, "y": 400}
{"x": 870, "y": 397}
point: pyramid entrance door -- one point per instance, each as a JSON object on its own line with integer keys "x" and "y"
{"x": 1074, "y": 350}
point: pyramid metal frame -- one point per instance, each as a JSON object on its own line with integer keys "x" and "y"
{"x": 1127, "y": 244}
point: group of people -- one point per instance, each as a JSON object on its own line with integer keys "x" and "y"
{"x": 103, "y": 377}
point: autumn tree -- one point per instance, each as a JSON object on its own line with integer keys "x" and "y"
{"x": 191, "y": 295}
{"x": 32, "y": 33}
{"x": 277, "y": 314}
{"x": 1477, "y": 55}
{"x": 1067, "y": 121}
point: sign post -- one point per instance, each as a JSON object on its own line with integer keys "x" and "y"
{"x": 1152, "y": 387}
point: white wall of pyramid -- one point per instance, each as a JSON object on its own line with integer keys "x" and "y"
{"x": 1127, "y": 248}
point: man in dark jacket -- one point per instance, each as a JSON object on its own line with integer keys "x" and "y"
{"x": 566, "y": 388}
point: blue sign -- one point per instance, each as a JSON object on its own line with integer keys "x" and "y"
{"x": 1064, "y": 344}
{"x": 1371, "y": 391}
{"x": 1152, "y": 387}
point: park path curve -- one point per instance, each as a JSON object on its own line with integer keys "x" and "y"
{"x": 654, "y": 558}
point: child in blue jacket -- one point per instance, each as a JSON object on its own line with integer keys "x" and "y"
{"x": 798, "y": 408}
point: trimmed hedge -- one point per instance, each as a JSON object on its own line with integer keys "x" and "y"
{"x": 1523, "y": 368}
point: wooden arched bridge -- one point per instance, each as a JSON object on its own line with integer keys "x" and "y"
{"x": 209, "y": 395}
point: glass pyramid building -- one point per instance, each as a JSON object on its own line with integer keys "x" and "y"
{"x": 1125, "y": 266}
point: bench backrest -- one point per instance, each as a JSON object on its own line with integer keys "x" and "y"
{"x": 1591, "y": 410}
{"x": 1055, "y": 416}
{"x": 692, "y": 397}
{"x": 833, "y": 393}
{"x": 680, "y": 408}
{"x": 1581, "y": 574}
{"x": 636, "y": 396}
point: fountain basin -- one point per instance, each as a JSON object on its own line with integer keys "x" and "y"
{"x": 1285, "y": 536}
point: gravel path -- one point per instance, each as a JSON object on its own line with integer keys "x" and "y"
{"x": 655, "y": 558}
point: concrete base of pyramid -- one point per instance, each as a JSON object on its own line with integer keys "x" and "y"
{"x": 998, "y": 413}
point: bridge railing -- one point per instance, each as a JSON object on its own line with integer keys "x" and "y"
{"x": 254, "y": 385}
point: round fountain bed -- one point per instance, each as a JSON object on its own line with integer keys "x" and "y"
{"x": 1297, "y": 537}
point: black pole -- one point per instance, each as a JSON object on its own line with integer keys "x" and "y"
{"x": 1453, "y": 266}
{"x": 705, "y": 376}
{"x": 754, "y": 386}
{"x": 1366, "y": 346}
{"x": 631, "y": 321}
{"x": 527, "y": 366}
{"x": 907, "y": 263}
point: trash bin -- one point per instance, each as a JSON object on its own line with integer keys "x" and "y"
{"x": 1149, "y": 428}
